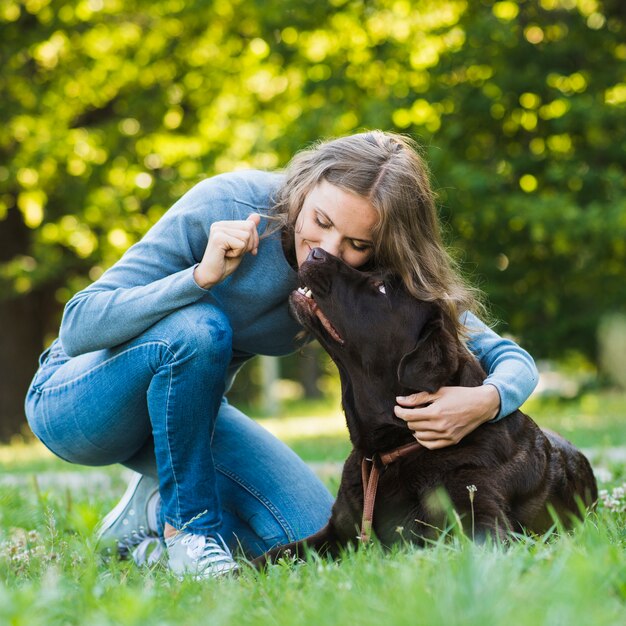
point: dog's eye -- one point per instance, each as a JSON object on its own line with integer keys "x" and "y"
{"x": 381, "y": 287}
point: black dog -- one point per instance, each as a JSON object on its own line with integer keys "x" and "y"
{"x": 385, "y": 343}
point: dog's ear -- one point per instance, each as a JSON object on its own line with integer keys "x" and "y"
{"x": 433, "y": 361}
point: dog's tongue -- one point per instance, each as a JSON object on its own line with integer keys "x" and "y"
{"x": 327, "y": 325}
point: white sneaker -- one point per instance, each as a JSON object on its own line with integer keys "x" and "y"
{"x": 199, "y": 556}
{"x": 130, "y": 528}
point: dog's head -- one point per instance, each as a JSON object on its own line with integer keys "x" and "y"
{"x": 384, "y": 341}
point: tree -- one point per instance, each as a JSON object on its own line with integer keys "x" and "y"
{"x": 112, "y": 110}
{"x": 533, "y": 108}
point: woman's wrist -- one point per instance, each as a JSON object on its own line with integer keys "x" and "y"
{"x": 492, "y": 401}
{"x": 201, "y": 280}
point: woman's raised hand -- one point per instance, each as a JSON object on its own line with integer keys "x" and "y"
{"x": 228, "y": 242}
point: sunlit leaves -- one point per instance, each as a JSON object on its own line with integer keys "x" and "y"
{"x": 616, "y": 95}
{"x": 528, "y": 183}
{"x": 506, "y": 10}
{"x": 31, "y": 204}
{"x": 112, "y": 109}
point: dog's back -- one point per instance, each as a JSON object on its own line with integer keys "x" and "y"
{"x": 504, "y": 477}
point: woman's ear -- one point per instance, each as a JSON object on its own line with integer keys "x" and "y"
{"x": 433, "y": 361}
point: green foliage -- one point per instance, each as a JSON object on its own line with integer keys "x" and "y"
{"x": 111, "y": 110}
{"x": 532, "y": 165}
{"x": 50, "y": 574}
{"x": 589, "y": 421}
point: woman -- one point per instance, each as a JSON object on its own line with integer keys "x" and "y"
{"x": 146, "y": 353}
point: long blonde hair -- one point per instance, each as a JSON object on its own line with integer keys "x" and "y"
{"x": 387, "y": 169}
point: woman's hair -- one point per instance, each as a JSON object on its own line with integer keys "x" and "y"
{"x": 388, "y": 170}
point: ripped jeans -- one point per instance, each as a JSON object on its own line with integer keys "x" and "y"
{"x": 156, "y": 405}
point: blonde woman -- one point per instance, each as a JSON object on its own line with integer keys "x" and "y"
{"x": 146, "y": 353}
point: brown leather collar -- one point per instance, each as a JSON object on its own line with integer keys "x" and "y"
{"x": 370, "y": 472}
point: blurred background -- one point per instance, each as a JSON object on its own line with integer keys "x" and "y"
{"x": 112, "y": 109}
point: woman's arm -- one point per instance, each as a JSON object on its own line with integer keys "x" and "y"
{"x": 159, "y": 274}
{"x": 443, "y": 418}
{"x": 510, "y": 369}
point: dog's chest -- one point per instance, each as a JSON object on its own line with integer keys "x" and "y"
{"x": 401, "y": 504}
{"x": 401, "y": 512}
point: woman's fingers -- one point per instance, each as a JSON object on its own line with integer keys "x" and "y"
{"x": 422, "y": 414}
{"x": 434, "y": 444}
{"x": 228, "y": 243}
{"x": 415, "y": 399}
{"x": 428, "y": 414}
{"x": 233, "y": 241}
{"x": 245, "y": 231}
{"x": 432, "y": 434}
{"x": 255, "y": 218}
{"x": 446, "y": 416}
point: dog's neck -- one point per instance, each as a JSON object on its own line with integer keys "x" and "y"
{"x": 370, "y": 417}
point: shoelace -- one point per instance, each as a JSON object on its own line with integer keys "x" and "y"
{"x": 148, "y": 552}
{"x": 130, "y": 542}
{"x": 208, "y": 552}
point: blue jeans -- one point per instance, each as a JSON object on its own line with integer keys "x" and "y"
{"x": 156, "y": 404}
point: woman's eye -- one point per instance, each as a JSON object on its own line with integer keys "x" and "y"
{"x": 360, "y": 247}
{"x": 322, "y": 224}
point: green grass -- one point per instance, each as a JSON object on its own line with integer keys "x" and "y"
{"x": 591, "y": 420}
{"x": 50, "y": 574}
{"x": 52, "y": 577}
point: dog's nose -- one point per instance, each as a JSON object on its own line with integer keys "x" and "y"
{"x": 317, "y": 254}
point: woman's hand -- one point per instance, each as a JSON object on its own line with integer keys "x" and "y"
{"x": 443, "y": 418}
{"x": 228, "y": 243}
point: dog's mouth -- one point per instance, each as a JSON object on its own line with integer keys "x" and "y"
{"x": 304, "y": 296}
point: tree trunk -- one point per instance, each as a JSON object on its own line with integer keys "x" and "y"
{"x": 310, "y": 370}
{"x": 270, "y": 404}
{"x": 22, "y": 328}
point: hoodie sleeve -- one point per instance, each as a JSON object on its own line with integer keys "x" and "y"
{"x": 152, "y": 279}
{"x": 510, "y": 369}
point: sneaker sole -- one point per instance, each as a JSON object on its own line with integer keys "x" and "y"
{"x": 233, "y": 571}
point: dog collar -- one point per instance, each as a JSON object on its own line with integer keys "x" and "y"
{"x": 370, "y": 472}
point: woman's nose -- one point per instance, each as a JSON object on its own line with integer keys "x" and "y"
{"x": 331, "y": 245}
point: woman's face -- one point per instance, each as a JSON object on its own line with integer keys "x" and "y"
{"x": 337, "y": 221}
